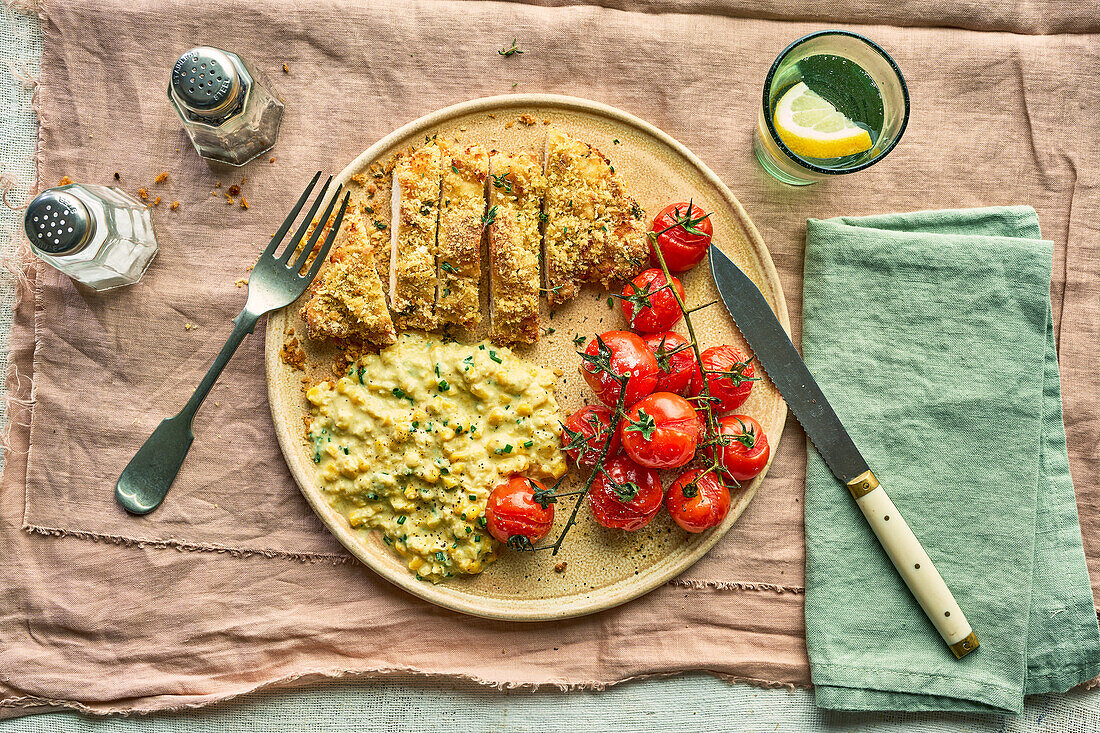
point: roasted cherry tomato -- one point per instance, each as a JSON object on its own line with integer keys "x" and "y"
{"x": 630, "y": 500}
{"x": 513, "y": 512}
{"x": 685, "y": 245}
{"x": 662, "y": 311}
{"x": 681, "y": 364}
{"x": 698, "y": 501}
{"x": 746, "y": 451}
{"x": 730, "y": 378}
{"x": 660, "y": 431}
{"x": 584, "y": 433}
{"x": 627, "y": 355}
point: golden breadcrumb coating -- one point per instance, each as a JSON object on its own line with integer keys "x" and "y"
{"x": 462, "y": 204}
{"x": 516, "y": 190}
{"x": 594, "y": 230}
{"x": 415, "y": 210}
{"x": 346, "y": 299}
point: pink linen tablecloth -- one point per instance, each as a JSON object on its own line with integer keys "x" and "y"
{"x": 234, "y": 584}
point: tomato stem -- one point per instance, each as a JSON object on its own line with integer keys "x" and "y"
{"x": 710, "y": 422}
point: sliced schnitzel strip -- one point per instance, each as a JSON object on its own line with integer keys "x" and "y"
{"x": 461, "y": 206}
{"x": 346, "y": 300}
{"x": 594, "y": 230}
{"x": 573, "y": 178}
{"x": 415, "y": 209}
{"x": 621, "y": 223}
{"x": 515, "y": 201}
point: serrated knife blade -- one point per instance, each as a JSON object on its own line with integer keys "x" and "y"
{"x": 775, "y": 352}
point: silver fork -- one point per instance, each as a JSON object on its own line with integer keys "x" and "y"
{"x": 274, "y": 283}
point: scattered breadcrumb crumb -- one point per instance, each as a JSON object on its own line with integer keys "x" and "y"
{"x": 217, "y": 184}
{"x": 558, "y": 372}
{"x": 528, "y": 120}
{"x": 293, "y": 355}
{"x": 161, "y": 177}
{"x": 244, "y": 204}
{"x": 560, "y": 567}
{"x": 286, "y": 69}
{"x": 234, "y": 190}
{"x": 546, "y": 122}
{"x": 217, "y": 404}
{"x": 509, "y": 124}
{"x": 143, "y": 194}
{"x": 241, "y": 282}
{"x": 188, "y": 326}
{"x": 156, "y": 201}
{"x": 230, "y": 199}
{"x": 360, "y": 178}
{"x": 118, "y": 176}
{"x": 271, "y": 161}
{"x": 175, "y": 205}
{"x": 491, "y": 117}
{"x": 65, "y": 181}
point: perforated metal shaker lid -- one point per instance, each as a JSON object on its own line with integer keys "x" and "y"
{"x": 58, "y": 222}
{"x": 205, "y": 80}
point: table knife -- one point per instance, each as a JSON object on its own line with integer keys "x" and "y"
{"x": 779, "y": 358}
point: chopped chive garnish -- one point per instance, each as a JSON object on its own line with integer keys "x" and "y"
{"x": 443, "y": 386}
{"x": 401, "y": 520}
{"x": 494, "y": 357}
{"x": 528, "y": 444}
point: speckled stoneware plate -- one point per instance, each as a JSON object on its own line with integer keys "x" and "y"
{"x": 603, "y": 567}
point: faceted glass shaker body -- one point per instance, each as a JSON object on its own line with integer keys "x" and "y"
{"x": 119, "y": 246}
{"x": 250, "y": 124}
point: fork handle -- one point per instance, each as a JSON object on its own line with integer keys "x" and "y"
{"x": 146, "y": 479}
{"x": 243, "y": 324}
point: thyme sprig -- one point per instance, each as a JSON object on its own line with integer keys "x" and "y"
{"x": 510, "y": 51}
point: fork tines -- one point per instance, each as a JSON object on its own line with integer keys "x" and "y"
{"x": 300, "y": 233}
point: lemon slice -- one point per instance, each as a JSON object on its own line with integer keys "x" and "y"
{"x": 813, "y": 128}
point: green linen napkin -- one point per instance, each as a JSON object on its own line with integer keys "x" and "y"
{"x": 931, "y": 334}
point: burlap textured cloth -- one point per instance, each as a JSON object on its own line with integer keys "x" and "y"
{"x": 233, "y": 584}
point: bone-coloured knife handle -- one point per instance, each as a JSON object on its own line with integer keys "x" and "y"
{"x": 913, "y": 564}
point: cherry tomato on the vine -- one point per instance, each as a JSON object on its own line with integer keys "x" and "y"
{"x": 585, "y": 432}
{"x": 512, "y": 511}
{"x": 698, "y": 501}
{"x": 626, "y": 355}
{"x": 685, "y": 245}
{"x": 661, "y": 431}
{"x": 746, "y": 451}
{"x": 630, "y": 500}
{"x": 672, "y": 349}
{"x": 648, "y": 303}
{"x": 730, "y": 377}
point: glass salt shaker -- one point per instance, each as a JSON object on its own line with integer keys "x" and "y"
{"x": 229, "y": 110}
{"x": 97, "y": 235}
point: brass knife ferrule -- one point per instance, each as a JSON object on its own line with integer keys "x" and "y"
{"x": 961, "y": 648}
{"x": 862, "y": 484}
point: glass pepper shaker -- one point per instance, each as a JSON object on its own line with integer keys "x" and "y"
{"x": 229, "y": 110}
{"x": 97, "y": 235}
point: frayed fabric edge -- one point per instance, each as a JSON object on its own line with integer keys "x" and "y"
{"x": 378, "y": 674}
{"x": 27, "y": 7}
{"x": 735, "y": 585}
{"x": 184, "y": 546}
